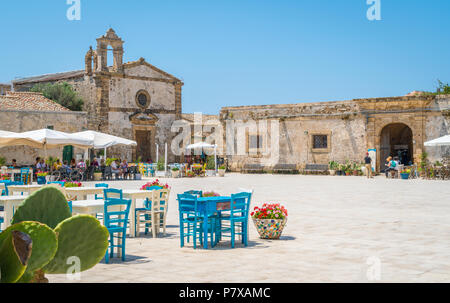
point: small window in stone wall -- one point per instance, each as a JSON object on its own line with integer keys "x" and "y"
{"x": 255, "y": 142}
{"x": 320, "y": 141}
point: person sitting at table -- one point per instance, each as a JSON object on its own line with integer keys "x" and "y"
{"x": 81, "y": 164}
{"x": 67, "y": 167}
{"x": 73, "y": 164}
{"x": 124, "y": 168}
{"x": 57, "y": 165}
{"x": 95, "y": 163}
{"x": 41, "y": 166}
{"x": 115, "y": 168}
{"x": 14, "y": 163}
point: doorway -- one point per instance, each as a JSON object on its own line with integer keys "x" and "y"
{"x": 397, "y": 141}
{"x": 144, "y": 144}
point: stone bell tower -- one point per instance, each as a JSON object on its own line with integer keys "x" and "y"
{"x": 110, "y": 39}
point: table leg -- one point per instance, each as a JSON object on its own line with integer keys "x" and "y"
{"x": 205, "y": 231}
{"x": 133, "y": 218}
{"x": 9, "y": 209}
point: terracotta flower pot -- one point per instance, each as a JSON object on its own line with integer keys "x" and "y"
{"x": 270, "y": 228}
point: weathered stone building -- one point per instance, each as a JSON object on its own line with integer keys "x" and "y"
{"x": 134, "y": 100}
{"x": 25, "y": 111}
{"x": 317, "y": 133}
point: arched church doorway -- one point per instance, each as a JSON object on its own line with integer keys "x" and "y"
{"x": 396, "y": 141}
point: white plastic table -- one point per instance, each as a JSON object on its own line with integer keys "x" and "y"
{"x": 23, "y": 189}
{"x": 81, "y": 193}
{"x": 9, "y": 203}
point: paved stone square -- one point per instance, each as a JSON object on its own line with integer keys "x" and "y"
{"x": 337, "y": 231}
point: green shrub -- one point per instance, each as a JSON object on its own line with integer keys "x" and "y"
{"x": 61, "y": 93}
{"x": 210, "y": 163}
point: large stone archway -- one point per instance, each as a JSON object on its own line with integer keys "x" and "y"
{"x": 406, "y": 129}
{"x": 396, "y": 140}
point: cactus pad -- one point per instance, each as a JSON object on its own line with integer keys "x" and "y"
{"x": 80, "y": 236}
{"x": 45, "y": 245}
{"x": 15, "y": 251}
{"x": 48, "y": 206}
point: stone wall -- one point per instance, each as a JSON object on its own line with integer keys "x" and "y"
{"x": 352, "y": 127}
{"x": 22, "y": 121}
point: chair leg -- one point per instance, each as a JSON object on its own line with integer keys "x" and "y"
{"x": 181, "y": 233}
{"x": 153, "y": 225}
{"x": 232, "y": 233}
{"x": 123, "y": 246}
{"x": 137, "y": 219}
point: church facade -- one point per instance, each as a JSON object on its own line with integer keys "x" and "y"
{"x": 134, "y": 100}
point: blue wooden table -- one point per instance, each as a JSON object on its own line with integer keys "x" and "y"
{"x": 209, "y": 206}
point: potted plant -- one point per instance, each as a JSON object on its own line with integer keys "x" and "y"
{"x": 334, "y": 166}
{"x": 356, "y": 168}
{"x": 190, "y": 174}
{"x": 222, "y": 170}
{"x": 160, "y": 168}
{"x": 270, "y": 220}
{"x": 97, "y": 174}
{"x": 405, "y": 174}
{"x": 155, "y": 183}
{"x": 339, "y": 170}
{"x": 210, "y": 167}
{"x": 41, "y": 178}
{"x": 175, "y": 172}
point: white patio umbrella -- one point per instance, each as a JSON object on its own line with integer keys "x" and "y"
{"x": 103, "y": 141}
{"x": 48, "y": 139}
{"x": 205, "y": 145}
{"x": 442, "y": 141}
{"x": 16, "y": 139}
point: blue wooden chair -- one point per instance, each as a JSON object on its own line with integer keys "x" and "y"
{"x": 100, "y": 185}
{"x": 116, "y": 222}
{"x": 238, "y": 217}
{"x": 191, "y": 222}
{"x": 98, "y": 197}
{"x": 3, "y": 193}
{"x": 24, "y": 173}
{"x": 70, "y": 205}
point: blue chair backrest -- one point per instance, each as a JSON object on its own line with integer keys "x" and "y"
{"x": 197, "y": 193}
{"x": 70, "y": 205}
{"x": 57, "y": 182}
{"x": 116, "y": 218}
{"x": 109, "y": 193}
{"x": 240, "y": 204}
{"x": 187, "y": 204}
{"x": 11, "y": 184}
{"x": 100, "y": 185}
{"x": 5, "y": 181}
{"x": 24, "y": 170}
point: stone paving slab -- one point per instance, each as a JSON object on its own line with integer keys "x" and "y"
{"x": 335, "y": 224}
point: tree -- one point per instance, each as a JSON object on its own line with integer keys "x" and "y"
{"x": 61, "y": 93}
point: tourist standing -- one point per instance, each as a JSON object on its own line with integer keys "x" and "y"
{"x": 368, "y": 162}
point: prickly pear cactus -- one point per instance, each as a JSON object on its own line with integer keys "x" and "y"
{"x": 48, "y": 206}
{"x": 82, "y": 237}
{"x": 15, "y": 251}
{"x": 45, "y": 244}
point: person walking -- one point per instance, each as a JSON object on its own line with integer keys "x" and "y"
{"x": 368, "y": 162}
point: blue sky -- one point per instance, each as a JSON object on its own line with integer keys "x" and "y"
{"x": 243, "y": 52}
